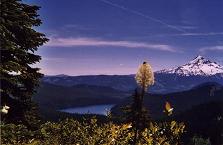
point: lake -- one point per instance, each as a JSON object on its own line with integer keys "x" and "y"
{"x": 93, "y": 109}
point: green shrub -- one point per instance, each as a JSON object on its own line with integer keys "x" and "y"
{"x": 90, "y": 132}
{"x": 16, "y": 134}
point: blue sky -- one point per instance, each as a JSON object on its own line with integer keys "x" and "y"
{"x": 115, "y": 36}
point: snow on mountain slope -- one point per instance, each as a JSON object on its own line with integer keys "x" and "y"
{"x": 198, "y": 66}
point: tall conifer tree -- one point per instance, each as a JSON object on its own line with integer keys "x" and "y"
{"x": 19, "y": 42}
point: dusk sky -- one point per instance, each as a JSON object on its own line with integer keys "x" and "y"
{"x": 115, "y": 36}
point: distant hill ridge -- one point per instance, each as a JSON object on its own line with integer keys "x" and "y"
{"x": 185, "y": 77}
{"x": 60, "y": 97}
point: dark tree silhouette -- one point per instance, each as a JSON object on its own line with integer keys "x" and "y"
{"x": 19, "y": 41}
{"x": 137, "y": 115}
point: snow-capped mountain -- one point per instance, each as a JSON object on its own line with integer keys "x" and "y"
{"x": 198, "y": 66}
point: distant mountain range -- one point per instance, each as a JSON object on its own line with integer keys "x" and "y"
{"x": 197, "y": 71}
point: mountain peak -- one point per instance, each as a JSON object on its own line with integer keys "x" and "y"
{"x": 199, "y": 57}
{"x": 198, "y": 66}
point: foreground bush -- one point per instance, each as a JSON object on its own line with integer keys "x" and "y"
{"x": 90, "y": 132}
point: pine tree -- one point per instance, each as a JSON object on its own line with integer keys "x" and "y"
{"x": 19, "y": 42}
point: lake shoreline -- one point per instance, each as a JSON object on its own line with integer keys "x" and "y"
{"x": 90, "y": 109}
